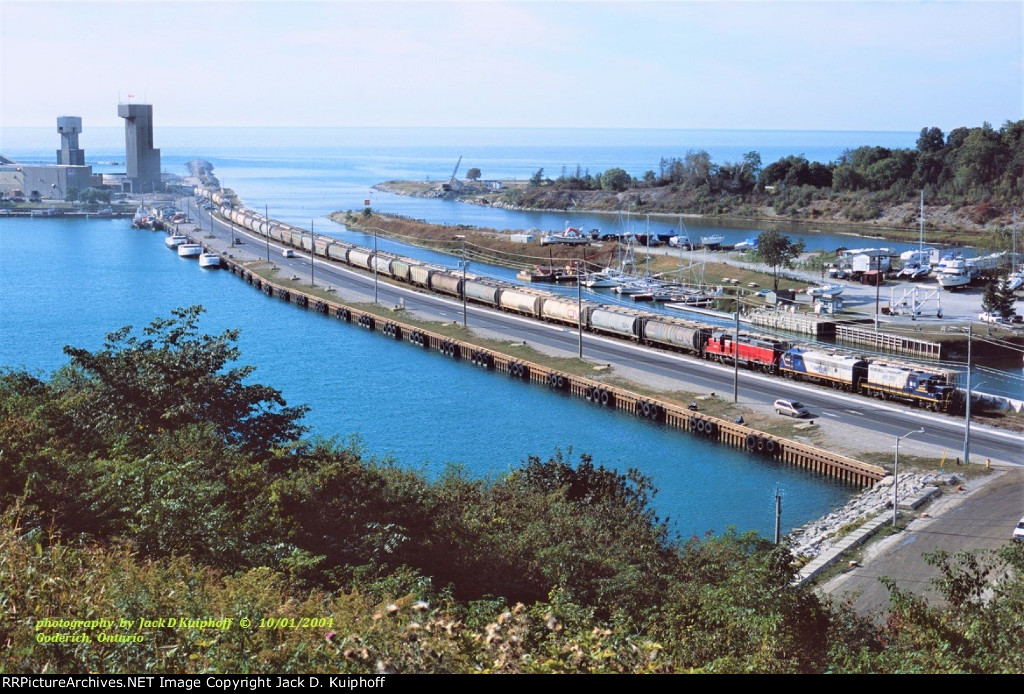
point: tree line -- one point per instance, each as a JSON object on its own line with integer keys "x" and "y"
{"x": 154, "y": 477}
{"x": 964, "y": 166}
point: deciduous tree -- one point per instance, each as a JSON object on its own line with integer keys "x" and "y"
{"x": 777, "y": 250}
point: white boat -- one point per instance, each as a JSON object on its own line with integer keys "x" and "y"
{"x": 712, "y": 241}
{"x": 914, "y": 271}
{"x": 826, "y": 290}
{"x": 189, "y": 250}
{"x": 603, "y": 279}
{"x": 1016, "y": 279}
{"x": 639, "y": 286}
{"x": 209, "y": 260}
{"x": 175, "y": 240}
{"x": 953, "y": 273}
{"x": 678, "y": 241}
{"x": 748, "y": 245}
{"x": 572, "y": 236}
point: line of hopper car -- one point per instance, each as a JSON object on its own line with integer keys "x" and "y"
{"x": 921, "y": 386}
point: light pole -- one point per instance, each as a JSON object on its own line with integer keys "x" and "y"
{"x": 266, "y": 219}
{"x": 579, "y": 306}
{"x": 736, "y": 355}
{"x": 312, "y": 253}
{"x": 967, "y": 405}
{"x": 896, "y": 470}
{"x": 375, "y": 265}
{"x": 462, "y": 238}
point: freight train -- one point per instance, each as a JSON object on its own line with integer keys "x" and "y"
{"x": 927, "y": 387}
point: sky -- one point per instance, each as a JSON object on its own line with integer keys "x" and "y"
{"x": 762, "y": 65}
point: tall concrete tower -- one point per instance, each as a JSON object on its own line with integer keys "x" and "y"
{"x": 69, "y": 154}
{"x": 143, "y": 162}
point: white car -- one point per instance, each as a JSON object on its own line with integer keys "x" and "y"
{"x": 1018, "y": 532}
{"x": 991, "y": 318}
{"x": 791, "y": 408}
{"x": 288, "y": 253}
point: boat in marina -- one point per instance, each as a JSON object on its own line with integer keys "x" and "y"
{"x": 189, "y": 250}
{"x": 537, "y": 274}
{"x": 712, "y": 241}
{"x": 607, "y": 278}
{"x": 749, "y": 244}
{"x": 208, "y": 260}
{"x": 175, "y": 240}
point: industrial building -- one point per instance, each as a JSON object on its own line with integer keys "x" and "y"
{"x": 55, "y": 182}
{"x": 141, "y": 159}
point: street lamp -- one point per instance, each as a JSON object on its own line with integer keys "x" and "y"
{"x": 736, "y": 355}
{"x": 579, "y": 305}
{"x": 967, "y": 404}
{"x": 375, "y": 265}
{"x": 312, "y": 253}
{"x": 266, "y": 219}
{"x": 895, "y": 472}
{"x": 462, "y": 238}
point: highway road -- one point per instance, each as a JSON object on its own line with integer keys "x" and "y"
{"x": 983, "y": 519}
{"x": 669, "y": 370}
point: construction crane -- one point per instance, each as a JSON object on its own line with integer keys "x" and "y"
{"x": 453, "y": 183}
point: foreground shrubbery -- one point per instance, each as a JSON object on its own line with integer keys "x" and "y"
{"x": 150, "y": 480}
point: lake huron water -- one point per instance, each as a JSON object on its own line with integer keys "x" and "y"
{"x": 71, "y": 281}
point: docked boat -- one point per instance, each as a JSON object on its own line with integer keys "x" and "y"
{"x": 712, "y": 241}
{"x": 175, "y": 240}
{"x": 748, "y": 245}
{"x": 189, "y": 250}
{"x": 537, "y": 274}
{"x": 639, "y": 286}
{"x": 603, "y": 279}
{"x": 209, "y": 260}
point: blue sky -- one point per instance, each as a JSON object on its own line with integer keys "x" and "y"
{"x": 668, "y": 64}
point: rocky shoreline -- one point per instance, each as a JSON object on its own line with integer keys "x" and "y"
{"x": 915, "y": 488}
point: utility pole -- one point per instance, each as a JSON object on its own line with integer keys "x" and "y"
{"x": 778, "y": 517}
{"x": 736, "y": 355}
{"x": 266, "y": 217}
{"x": 462, "y": 238}
{"x": 579, "y": 307}
{"x": 967, "y": 418}
{"x": 312, "y": 252}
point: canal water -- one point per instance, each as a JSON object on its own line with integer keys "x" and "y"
{"x": 72, "y": 281}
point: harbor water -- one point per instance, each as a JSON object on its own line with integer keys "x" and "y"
{"x": 72, "y": 281}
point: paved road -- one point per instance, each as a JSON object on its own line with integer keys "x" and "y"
{"x": 981, "y": 519}
{"x": 673, "y": 371}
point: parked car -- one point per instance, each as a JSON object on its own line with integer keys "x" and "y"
{"x": 1018, "y": 532}
{"x": 791, "y": 408}
{"x": 991, "y": 318}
